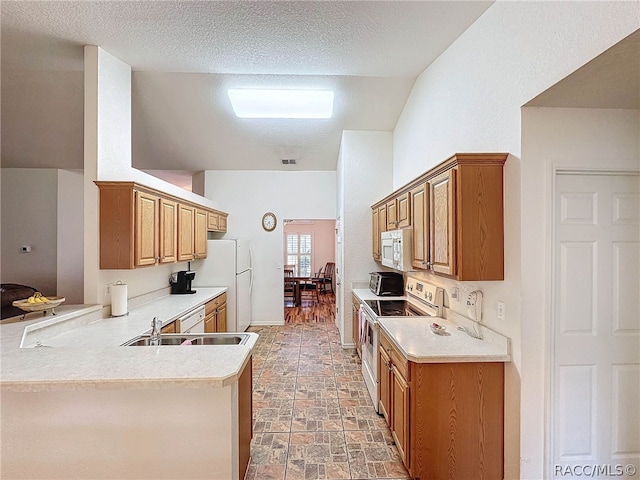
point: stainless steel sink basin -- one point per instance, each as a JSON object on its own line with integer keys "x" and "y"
{"x": 193, "y": 338}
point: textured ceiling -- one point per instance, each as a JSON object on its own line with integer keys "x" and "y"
{"x": 186, "y": 54}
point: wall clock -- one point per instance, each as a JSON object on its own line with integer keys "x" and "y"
{"x": 269, "y": 221}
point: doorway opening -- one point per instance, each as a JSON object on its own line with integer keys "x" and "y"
{"x": 309, "y": 270}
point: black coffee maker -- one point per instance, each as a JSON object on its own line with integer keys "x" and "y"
{"x": 181, "y": 282}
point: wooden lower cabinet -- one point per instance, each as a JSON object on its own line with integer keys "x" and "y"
{"x": 221, "y": 318}
{"x": 384, "y": 377}
{"x": 447, "y": 419}
{"x": 172, "y": 327}
{"x": 245, "y": 417}
{"x": 215, "y": 312}
{"x": 400, "y": 413}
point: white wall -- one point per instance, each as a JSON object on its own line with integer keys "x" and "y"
{"x": 29, "y": 217}
{"x": 557, "y": 138}
{"x": 364, "y": 177}
{"x": 469, "y": 100}
{"x": 247, "y": 196}
{"x": 70, "y": 244}
{"x": 107, "y": 156}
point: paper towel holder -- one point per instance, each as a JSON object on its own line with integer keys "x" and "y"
{"x": 119, "y": 283}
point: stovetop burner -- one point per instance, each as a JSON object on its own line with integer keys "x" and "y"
{"x": 393, "y": 308}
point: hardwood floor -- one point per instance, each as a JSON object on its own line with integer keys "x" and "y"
{"x": 323, "y": 311}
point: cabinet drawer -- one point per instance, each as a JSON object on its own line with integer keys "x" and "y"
{"x": 401, "y": 363}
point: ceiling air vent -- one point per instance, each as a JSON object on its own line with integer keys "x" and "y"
{"x": 288, "y": 161}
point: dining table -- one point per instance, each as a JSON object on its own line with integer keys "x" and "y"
{"x": 297, "y": 290}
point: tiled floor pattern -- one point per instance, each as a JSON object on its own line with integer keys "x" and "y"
{"x": 313, "y": 417}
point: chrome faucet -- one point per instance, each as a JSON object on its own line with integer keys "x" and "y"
{"x": 156, "y": 329}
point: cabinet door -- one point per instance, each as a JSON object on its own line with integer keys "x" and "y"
{"x": 392, "y": 215}
{"x": 210, "y": 323}
{"x": 403, "y": 205}
{"x": 168, "y": 231}
{"x": 420, "y": 222}
{"x": 400, "y": 414}
{"x": 442, "y": 223}
{"x": 382, "y": 219}
{"x": 375, "y": 234}
{"x": 170, "y": 328}
{"x": 186, "y": 223}
{"x": 221, "y": 318}
{"x": 384, "y": 376}
{"x": 212, "y": 221}
{"x": 222, "y": 223}
{"x": 200, "y": 234}
{"x": 146, "y": 240}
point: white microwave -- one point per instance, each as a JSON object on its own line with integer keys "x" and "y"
{"x": 396, "y": 249}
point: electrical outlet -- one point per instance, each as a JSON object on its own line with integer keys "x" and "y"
{"x": 500, "y": 308}
{"x": 107, "y": 289}
{"x": 454, "y": 292}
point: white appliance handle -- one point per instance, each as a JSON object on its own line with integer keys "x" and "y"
{"x": 250, "y": 270}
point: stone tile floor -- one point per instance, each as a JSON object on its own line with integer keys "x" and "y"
{"x": 312, "y": 415}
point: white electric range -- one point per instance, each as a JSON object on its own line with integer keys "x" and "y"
{"x": 422, "y": 300}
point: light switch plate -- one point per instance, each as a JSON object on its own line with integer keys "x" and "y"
{"x": 500, "y": 308}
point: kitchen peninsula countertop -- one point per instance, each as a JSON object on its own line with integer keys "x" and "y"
{"x": 419, "y": 344}
{"x": 88, "y": 354}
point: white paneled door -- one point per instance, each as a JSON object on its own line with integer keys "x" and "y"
{"x": 595, "y": 403}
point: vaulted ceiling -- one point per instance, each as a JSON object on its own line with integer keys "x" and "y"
{"x": 186, "y": 54}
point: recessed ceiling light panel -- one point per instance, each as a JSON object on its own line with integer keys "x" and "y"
{"x": 252, "y": 103}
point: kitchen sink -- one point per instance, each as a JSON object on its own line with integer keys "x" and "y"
{"x": 193, "y": 338}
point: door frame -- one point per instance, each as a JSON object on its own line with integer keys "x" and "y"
{"x": 554, "y": 170}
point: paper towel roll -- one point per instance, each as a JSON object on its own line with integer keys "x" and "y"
{"x": 119, "y": 299}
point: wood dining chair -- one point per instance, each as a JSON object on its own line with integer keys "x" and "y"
{"x": 325, "y": 275}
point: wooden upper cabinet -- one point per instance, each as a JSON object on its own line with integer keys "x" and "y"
{"x": 146, "y": 228}
{"x": 392, "y": 215}
{"x": 222, "y": 222}
{"x": 403, "y": 207}
{"x": 168, "y": 231}
{"x": 200, "y": 234}
{"x": 186, "y": 230}
{"x": 456, "y": 211}
{"x": 213, "y": 219}
{"x": 142, "y": 226}
{"x": 441, "y": 223}
{"x": 420, "y": 221}
{"x": 398, "y": 212}
{"x": 217, "y": 222}
{"x": 375, "y": 233}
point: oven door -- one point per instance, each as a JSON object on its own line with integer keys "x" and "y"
{"x": 370, "y": 341}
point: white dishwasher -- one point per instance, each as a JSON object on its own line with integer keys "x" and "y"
{"x": 193, "y": 322}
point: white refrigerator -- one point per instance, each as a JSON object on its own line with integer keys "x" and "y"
{"x": 229, "y": 264}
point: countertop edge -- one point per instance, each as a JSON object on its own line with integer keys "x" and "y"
{"x": 440, "y": 358}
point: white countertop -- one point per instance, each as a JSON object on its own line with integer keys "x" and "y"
{"x": 414, "y": 338}
{"x": 86, "y": 353}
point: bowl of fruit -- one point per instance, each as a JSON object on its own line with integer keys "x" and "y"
{"x": 38, "y": 303}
